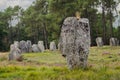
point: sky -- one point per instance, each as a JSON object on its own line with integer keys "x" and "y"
{"x": 26, "y": 3}
{"x": 23, "y": 3}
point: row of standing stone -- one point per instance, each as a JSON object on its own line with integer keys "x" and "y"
{"x": 17, "y": 48}
{"x": 113, "y": 41}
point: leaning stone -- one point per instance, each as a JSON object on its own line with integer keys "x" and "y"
{"x": 15, "y": 53}
{"x": 75, "y": 41}
{"x": 99, "y": 41}
{"x": 114, "y": 42}
{"x": 23, "y": 46}
{"x": 52, "y": 46}
{"x": 35, "y": 48}
{"x": 41, "y": 46}
{"x": 29, "y": 46}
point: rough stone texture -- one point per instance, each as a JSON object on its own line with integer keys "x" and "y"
{"x": 99, "y": 41}
{"x": 41, "y": 46}
{"x": 114, "y": 42}
{"x": 16, "y": 43}
{"x": 52, "y": 46}
{"x": 15, "y": 53}
{"x": 75, "y": 41}
{"x": 35, "y": 48}
{"x": 23, "y": 46}
{"x": 29, "y": 46}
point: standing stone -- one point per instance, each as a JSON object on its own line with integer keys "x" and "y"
{"x": 29, "y": 46}
{"x": 35, "y": 48}
{"x": 52, "y": 46}
{"x": 23, "y": 46}
{"x": 41, "y": 46}
{"x": 16, "y": 43}
{"x": 15, "y": 53}
{"x": 99, "y": 41}
{"x": 114, "y": 42}
{"x": 75, "y": 41}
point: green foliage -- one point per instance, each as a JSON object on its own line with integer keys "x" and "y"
{"x": 44, "y": 18}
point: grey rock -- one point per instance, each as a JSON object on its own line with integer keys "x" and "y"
{"x": 114, "y": 41}
{"x": 23, "y": 46}
{"x": 15, "y": 53}
{"x": 99, "y": 41}
{"x": 29, "y": 46}
{"x": 52, "y": 46}
{"x": 41, "y": 46}
{"x": 75, "y": 41}
{"x": 16, "y": 43}
{"x": 35, "y": 48}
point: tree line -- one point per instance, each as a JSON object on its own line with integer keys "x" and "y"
{"x": 44, "y": 18}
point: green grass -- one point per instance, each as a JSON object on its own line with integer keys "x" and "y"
{"x": 52, "y": 66}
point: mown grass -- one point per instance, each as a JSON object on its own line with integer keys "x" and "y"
{"x": 103, "y": 64}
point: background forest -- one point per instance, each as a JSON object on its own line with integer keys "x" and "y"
{"x": 44, "y": 18}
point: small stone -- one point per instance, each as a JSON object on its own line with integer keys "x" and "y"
{"x": 99, "y": 41}
{"x": 52, "y": 46}
{"x": 35, "y": 48}
{"x": 41, "y": 46}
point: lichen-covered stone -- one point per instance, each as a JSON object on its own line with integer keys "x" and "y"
{"x": 99, "y": 41}
{"x": 35, "y": 48}
{"x": 114, "y": 42}
{"x": 29, "y": 46}
{"x": 52, "y": 46}
{"x": 16, "y": 43}
{"x": 41, "y": 46}
{"x": 75, "y": 41}
{"x": 15, "y": 53}
{"x": 22, "y": 46}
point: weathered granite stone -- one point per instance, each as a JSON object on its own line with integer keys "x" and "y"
{"x": 15, "y": 53}
{"x": 35, "y": 48}
{"x": 52, "y": 46}
{"x": 75, "y": 41}
{"x": 16, "y": 43}
{"x": 29, "y": 46}
{"x": 41, "y": 46}
{"x": 114, "y": 42}
{"x": 99, "y": 41}
{"x": 22, "y": 46}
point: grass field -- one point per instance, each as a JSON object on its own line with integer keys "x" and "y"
{"x": 103, "y": 64}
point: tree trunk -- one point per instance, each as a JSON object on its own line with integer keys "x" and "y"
{"x": 45, "y": 36}
{"x": 104, "y": 24}
{"x": 111, "y": 26}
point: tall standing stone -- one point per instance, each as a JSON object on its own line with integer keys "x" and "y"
{"x": 114, "y": 42}
{"x": 29, "y": 46}
{"x": 99, "y": 41}
{"x": 52, "y": 46}
{"x": 23, "y": 46}
{"x": 41, "y": 46}
{"x": 15, "y": 53}
{"x": 75, "y": 41}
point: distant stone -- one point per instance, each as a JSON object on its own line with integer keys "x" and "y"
{"x": 99, "y": 41}
{"x": 114, "y": 42}
{"x": 35, "y": 48}
{"x": 29, "y": 46}
{"x": 22, "y": 46}
{"x": 16, "y": 43}
{"x": 15, "y": 53}
{"x": 75, "y": 41}
{"x": 52, "y": 46}
{"x": 41, "y": 46}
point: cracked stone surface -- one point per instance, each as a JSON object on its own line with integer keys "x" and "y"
{"x": 75, "y": 41}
